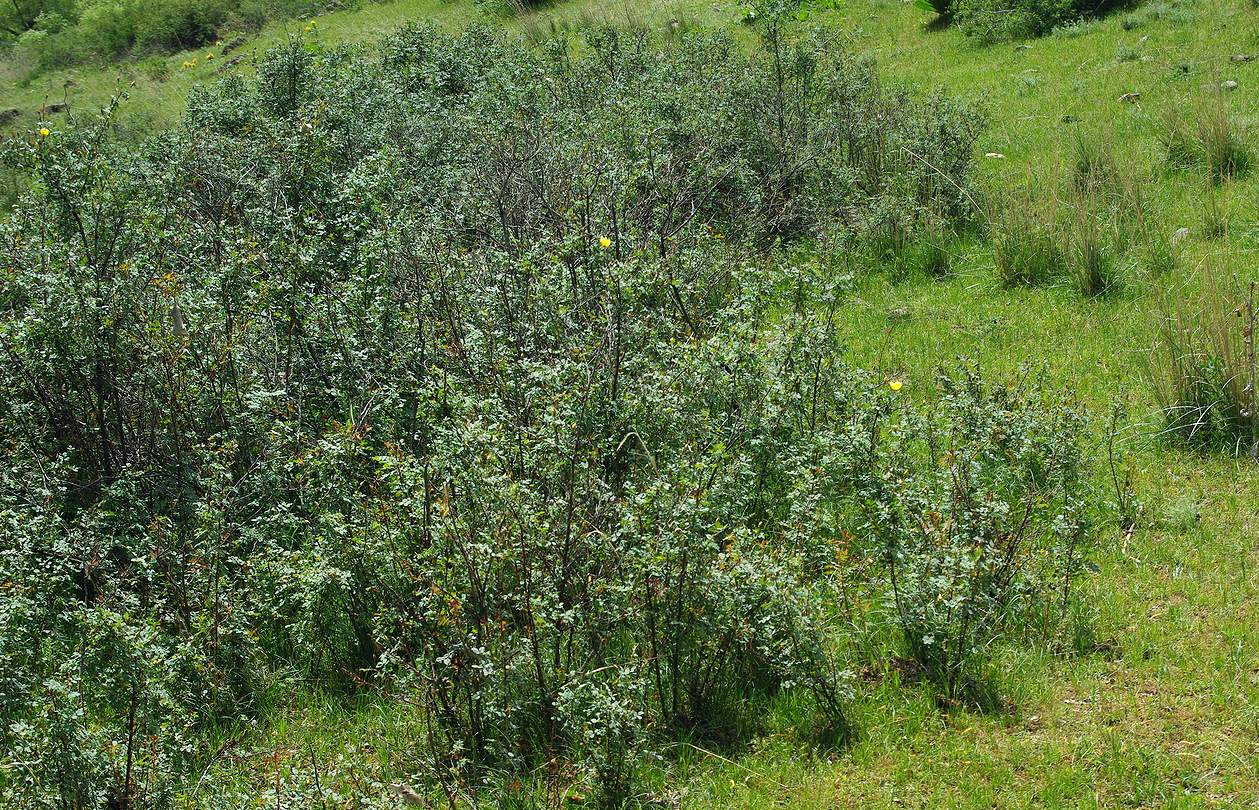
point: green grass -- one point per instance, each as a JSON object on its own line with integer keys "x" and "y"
{"x": 1166, "y": 712}
{"x": 153, "y": 103}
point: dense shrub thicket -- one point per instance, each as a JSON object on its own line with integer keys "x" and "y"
{"x": 1000, "y": 20}
{"x": 464, "y": 372}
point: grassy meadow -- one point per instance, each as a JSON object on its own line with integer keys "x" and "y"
{"x": 1160, "y": 708}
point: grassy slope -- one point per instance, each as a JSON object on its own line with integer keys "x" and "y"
{"x": 153, "y": 103}
{"x": 1170, "y": 717}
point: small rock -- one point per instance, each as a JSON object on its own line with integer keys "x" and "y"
{"x": 1145, "y": 39}
{"x": 8, "y": 115}
{"x": 232, "y": 45}
{"x": 1179, "y": 235}
{"x": 1130, "y": 98}
{"x": 1229, "y": 85}
{"x": 1240, "y": 57}
{"x": 1023, "y": 47}
{"x": 994, "y": 155}
{"x": 1070, "y": 119}
{"x": 408, "y": 795}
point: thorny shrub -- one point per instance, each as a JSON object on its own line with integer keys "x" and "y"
{"x": 978, "y": 509}
{"x": 462, "y": 373}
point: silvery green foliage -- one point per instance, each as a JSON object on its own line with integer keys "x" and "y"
{"x": 460, "y": 373}
{"x": 978, "y": 509}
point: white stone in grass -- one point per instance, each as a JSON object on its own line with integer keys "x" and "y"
{"x": 1179, "y": 235}
{"x": 1229, "y": 85}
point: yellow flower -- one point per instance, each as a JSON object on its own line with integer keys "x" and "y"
{"x": 209, "y": 56}
{"x": 43, "y": 132}
{"x": 605, "y": 242}
{"x": 895, "y": 385}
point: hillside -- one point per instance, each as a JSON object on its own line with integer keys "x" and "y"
{"x": 1146, "y": 692}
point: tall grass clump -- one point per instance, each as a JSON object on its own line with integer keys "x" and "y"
{"x": 1025, "y": 239}
{"x": 1206, "y": 136}
{"x": 1090, "y": 252}
{"x": 1102, "y": 206}
{"x": 1081, "y": 229}
{"x": 1215, "y": 215}
{"x": 1202, "y": 368}
{"x": 1094, "y": 167}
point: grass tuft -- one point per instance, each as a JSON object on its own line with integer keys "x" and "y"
{"x": 1206, "y": 136}
{"x": 1203, "y": 372}
{"x": 1025, "y": 243}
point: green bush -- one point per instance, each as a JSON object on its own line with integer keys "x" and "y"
{"x": 992, "y": 21}
{"x": 999, "y": 20}
{"x": 978, "y": 509}
{"x": 178, "y": 24}
{"x": 109, "y": 28}
{"x": 466, "y": 373}
{"x": 74, "y": 33}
